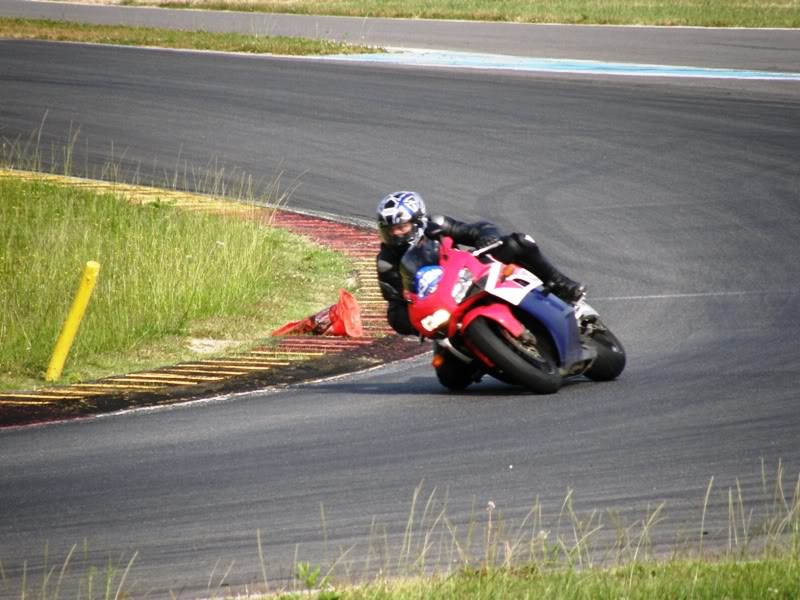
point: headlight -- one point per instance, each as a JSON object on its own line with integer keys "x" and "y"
{"x": 436, "y": 320}
{"x": 462, "y": 285}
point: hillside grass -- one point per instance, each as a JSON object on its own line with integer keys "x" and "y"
{"x": 168, "y": 276}
{"x": 702, "y": 13}
{"x": 121, "y": 35}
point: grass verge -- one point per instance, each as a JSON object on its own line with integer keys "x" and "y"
{"x": 768, "y": 579}
{"x": 704, "y": 13}
{"x": 169, "y": 276}
{"x": 61, "y": 31}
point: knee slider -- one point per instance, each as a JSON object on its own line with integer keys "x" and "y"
{"x": 524, "y": 241}
{"x": 384, "y": 266}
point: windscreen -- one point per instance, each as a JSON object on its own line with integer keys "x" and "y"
{"x": 415, "y": 268}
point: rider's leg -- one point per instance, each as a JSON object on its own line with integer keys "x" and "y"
{"x": 523, "y": 250}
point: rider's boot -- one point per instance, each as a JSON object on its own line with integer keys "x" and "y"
{"x": 565, "y": 288}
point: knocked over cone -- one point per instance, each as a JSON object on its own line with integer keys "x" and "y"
{"x": 342, "y": 318}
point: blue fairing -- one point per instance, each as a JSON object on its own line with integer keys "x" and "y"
{"x": 558, "y": 318}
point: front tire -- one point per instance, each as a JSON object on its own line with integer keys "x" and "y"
{"x": 611, "y": 357}
{"x": 532, "y": 367}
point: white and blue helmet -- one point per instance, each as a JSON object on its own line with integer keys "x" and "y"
{"x": 398, "y": 208}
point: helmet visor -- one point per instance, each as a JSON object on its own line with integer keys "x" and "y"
{"x": 398, "y": 235}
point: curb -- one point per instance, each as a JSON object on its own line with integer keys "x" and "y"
{"x": 280, "y": 362}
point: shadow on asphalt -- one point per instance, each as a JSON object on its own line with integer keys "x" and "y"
{"x": 429, "y": 386}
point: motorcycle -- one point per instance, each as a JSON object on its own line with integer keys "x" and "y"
{"x": 487, "y": 317}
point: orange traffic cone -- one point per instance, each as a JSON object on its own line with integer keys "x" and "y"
{"x": 342, "y": 319}
{"x": 346, "y": 316}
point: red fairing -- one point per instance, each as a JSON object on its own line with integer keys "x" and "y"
{"x": 452, "y": 262}
{"x": 498, "y": 312}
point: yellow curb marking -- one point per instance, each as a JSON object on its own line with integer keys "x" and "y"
{"x": 290, "y": 355}
{"x": 253, "y": 369}
{"x": 257, "y": 364}
{"x": 41, "y": 396}
{"x": 157, "y": 383}
{"x": 205, "y": 371}
{"x": 113, "y": 386}
{"x": 242, "y": 361}
{"x": 23, "y": 403}
{"x": 172, "y": 379}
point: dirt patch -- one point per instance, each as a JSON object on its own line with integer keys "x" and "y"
{"x": 210, "y": 346}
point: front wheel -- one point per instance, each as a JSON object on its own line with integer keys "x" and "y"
{"x": 610, "y": 361}
{"x": 528, "y": 363}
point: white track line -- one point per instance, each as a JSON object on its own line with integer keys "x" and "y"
{"x": 699, "y": 295}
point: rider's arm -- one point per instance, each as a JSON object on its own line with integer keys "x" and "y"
{"x": 477, "y": 235}
{"x": 391, "y": 285}
{"x": 397, "y": 316}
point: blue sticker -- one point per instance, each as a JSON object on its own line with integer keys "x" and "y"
{"x": 427, "y": 280}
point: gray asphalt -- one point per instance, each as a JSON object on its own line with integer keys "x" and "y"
{"x": 677, "y": 205}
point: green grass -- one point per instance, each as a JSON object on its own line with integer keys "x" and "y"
{"x": 41, "y": 29}
{"x": 716, "y": 13}
{"x": 768, "y": 579}
{"x": 167, "y": 275}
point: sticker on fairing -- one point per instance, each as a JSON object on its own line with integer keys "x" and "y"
{"x": 513, "y": 289}
{"x": 427, "y": 280}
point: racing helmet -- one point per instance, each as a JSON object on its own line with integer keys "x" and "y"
{"x": 399, "y": 208}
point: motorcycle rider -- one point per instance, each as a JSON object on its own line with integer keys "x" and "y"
{"x": 403, "y": 220}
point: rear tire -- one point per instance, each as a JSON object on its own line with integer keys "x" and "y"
{"x": 538, "y": 374}
{"x": 611, "y": 358}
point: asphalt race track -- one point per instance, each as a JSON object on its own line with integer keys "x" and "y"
{"x": 676, "y": 203}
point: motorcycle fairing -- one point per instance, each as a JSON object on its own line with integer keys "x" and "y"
{"x": 524, "y": 289}
{"x": 514, "y": 288}
{"x": 558, "y": 318}
{"x": 500, "y": 313}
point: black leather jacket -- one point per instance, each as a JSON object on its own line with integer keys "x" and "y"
{"x": 477, "y": 234}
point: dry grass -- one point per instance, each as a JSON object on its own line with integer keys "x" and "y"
{"x": 60, "y": 31}
{"x": 725, "y": 13}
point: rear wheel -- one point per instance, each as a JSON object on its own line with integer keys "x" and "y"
{"x": 528, "y": 362}
{"x": 610, "y": 361}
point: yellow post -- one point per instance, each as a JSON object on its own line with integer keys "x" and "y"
{"x": 73, "y": 322}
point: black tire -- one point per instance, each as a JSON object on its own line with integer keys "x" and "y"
{"x": 540, "y": 375}
{"x": 610, "y": 361}
{"x": 454, "y": 374}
